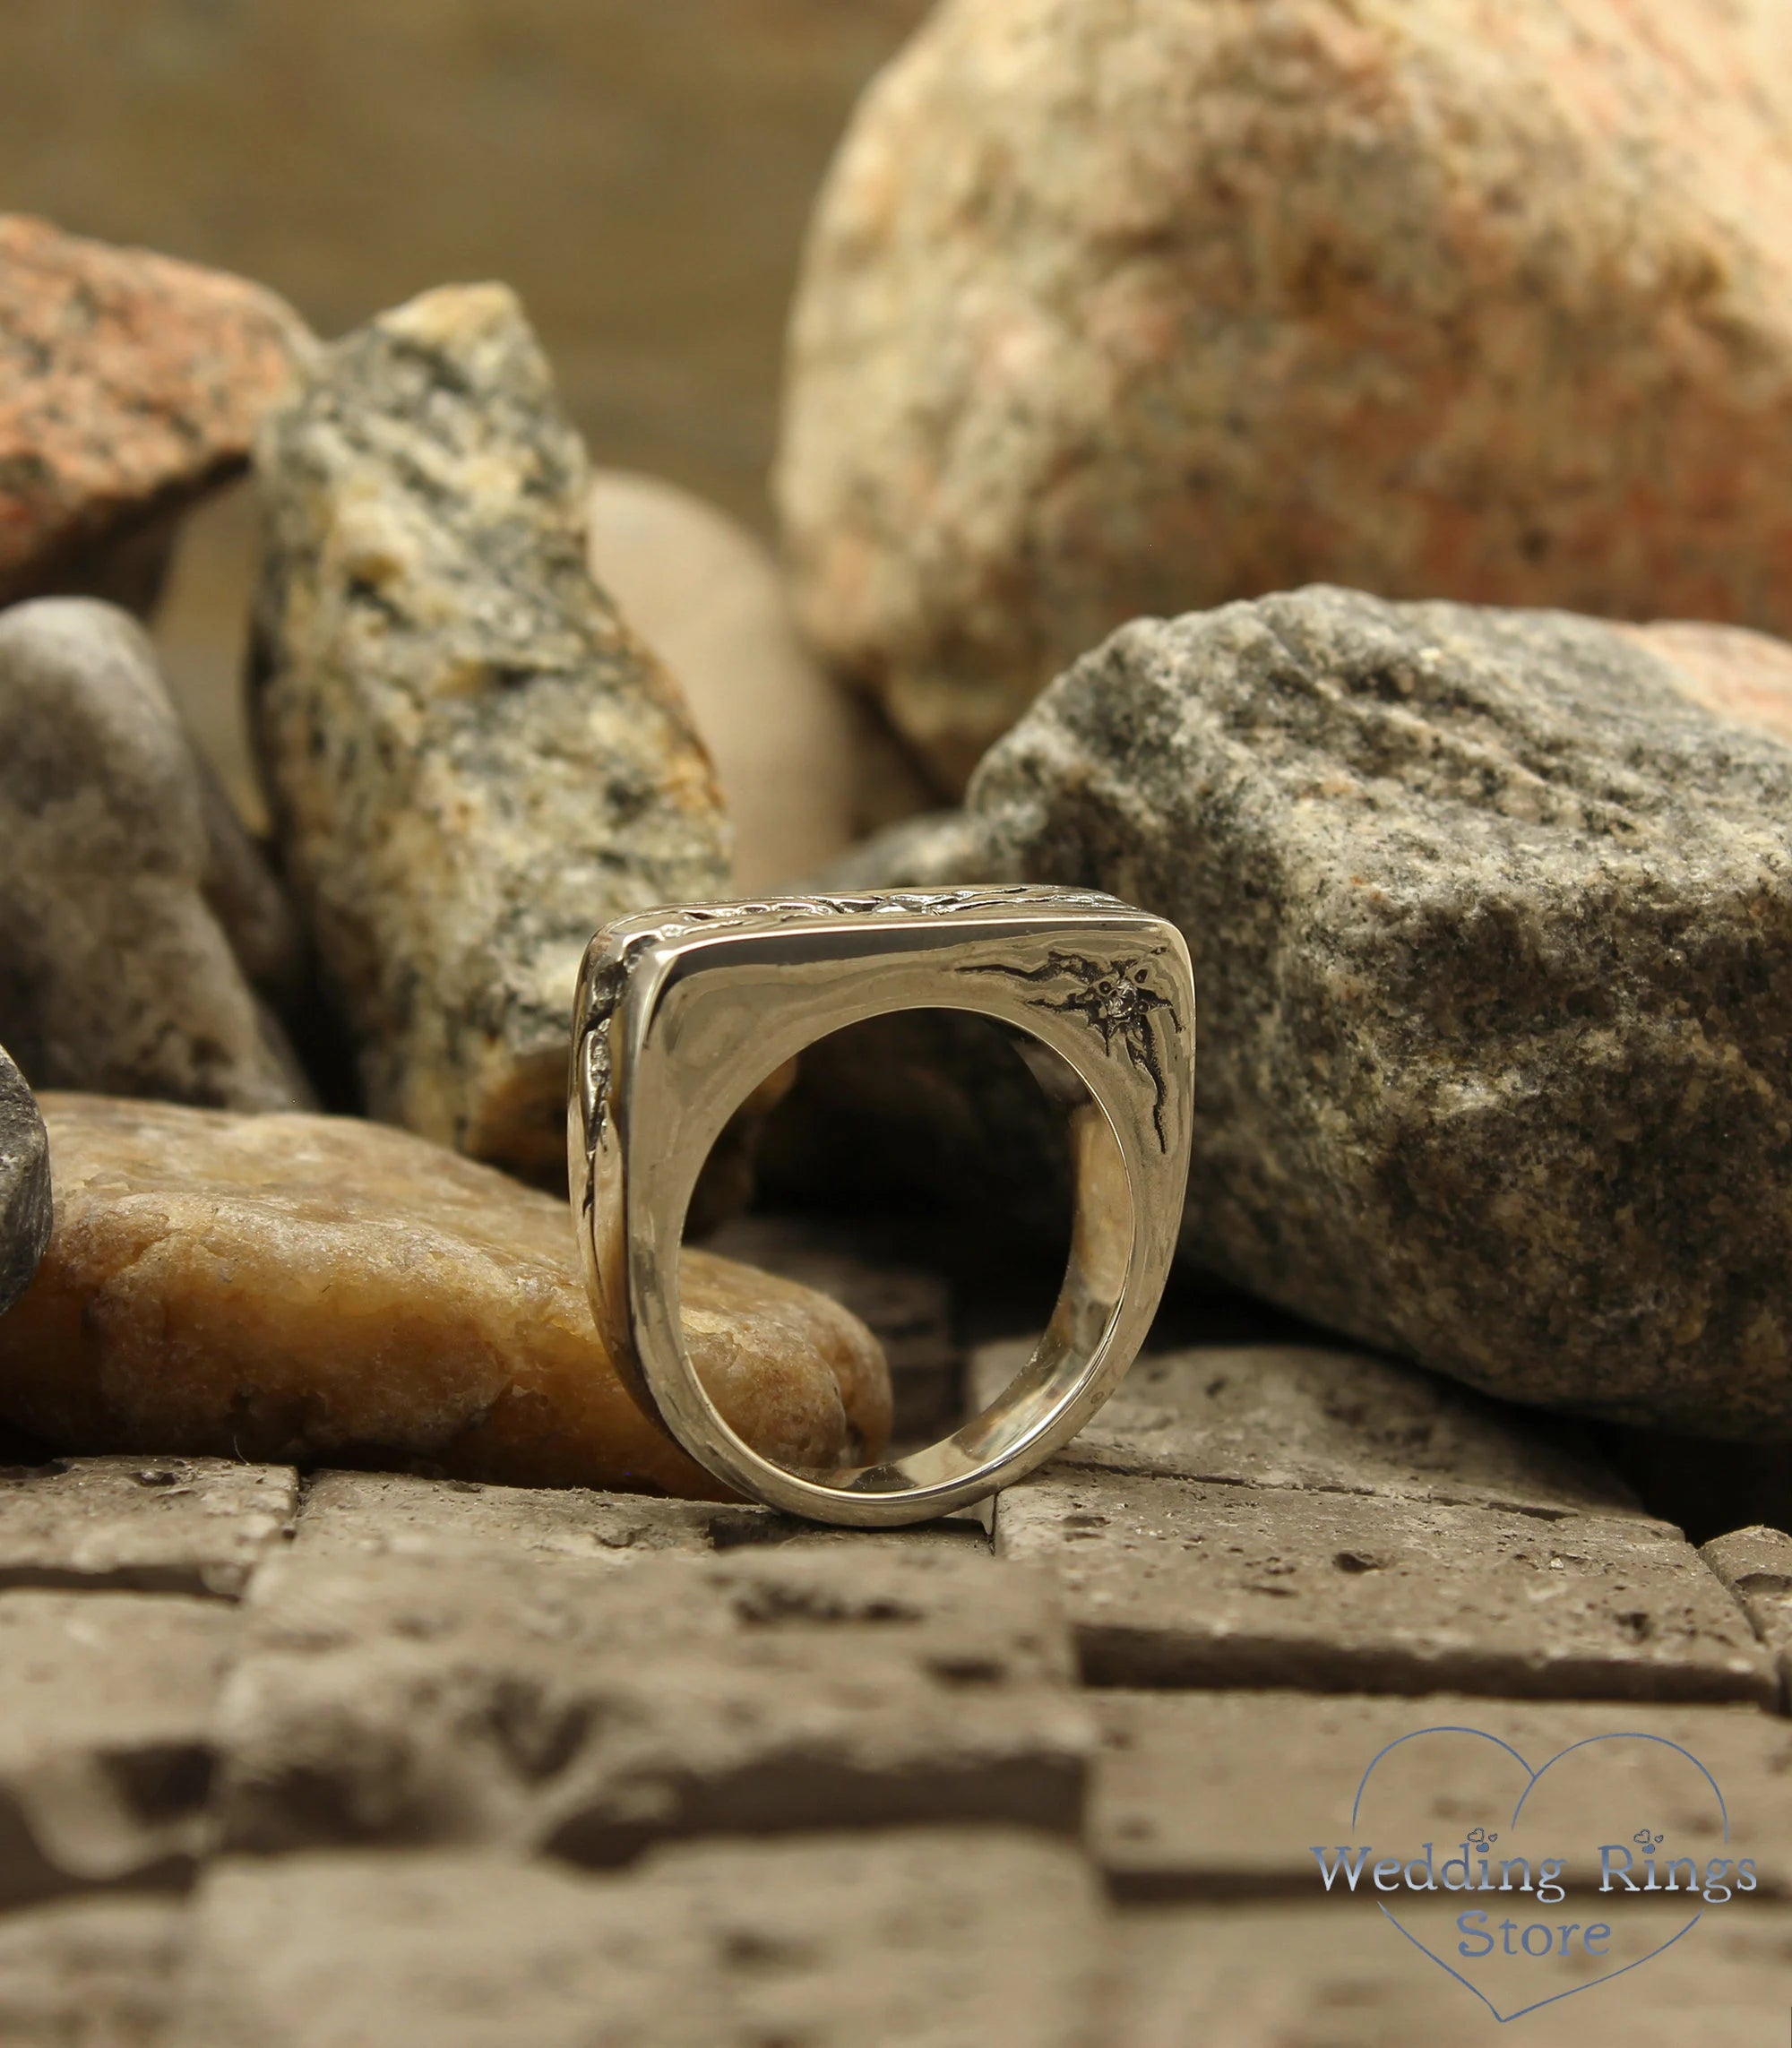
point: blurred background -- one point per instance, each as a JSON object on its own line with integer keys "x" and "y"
{"x": 642, "y": 171}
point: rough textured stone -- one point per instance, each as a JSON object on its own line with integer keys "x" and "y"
{"x": 106, "y": 1703}
{"x": 474, "y": 764}
{"x": 1220, "y": 1795}
{"x": 1491, "y": 932}
{"x": 1756, "y": 1565}
{"x": 1114, "y": 308}
{"x": 24, "y": 1185}
{"x": 89, "y": 1973}
{"x": 1315, "y": 1976}
{"x": 934, "y": 1938}
{"x": 162, "y": 1524}
{"x": 318, "y": 1289}
{"x": 589, "y": 1709}
{"x": 132, "y": 383}
{"x": 136, "y": 910}
{"x": 1174, "y": 1582}
{"x": 706, "y": 594}
{"x": 1324, "y": 1421}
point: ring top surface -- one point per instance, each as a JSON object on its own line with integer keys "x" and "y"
{"x": 681, "y": 1012}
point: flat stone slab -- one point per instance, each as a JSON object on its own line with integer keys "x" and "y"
{"x": 920, "y": 1939}
{"x": 1306, "y": 1975}
{"x": 89, "y": 1973}
{"x": 1756, "y": 1565}
{"x": 590, "y": 1710}
{"x": 1174, "y": 1582}
{"x": 148, "y": 1524}
{"x": 106, "y": 1704}
{"x": 1221, "y": 1795}
{"x": 1326, "y": 1420}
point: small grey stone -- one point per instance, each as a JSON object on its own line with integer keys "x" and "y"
{"x": 1326, "y": 1420}
{"x": 591, "y": 1709}
{"x": 146, "y": 1525}
{"x": 1172, "y": 1582}
{"x": 128, "y": 881}
{"x": 1492, "y": 932}
{"x": 25, "y": 1209}
{"x": 1219, "y": 1794}
{"x": 1756, "y": 1565}
{"x": 474, "y": 763}
{"x": 90, "y": 1973}
{"x": 106, "y": 1705}
{"x": 925, "y": 1938}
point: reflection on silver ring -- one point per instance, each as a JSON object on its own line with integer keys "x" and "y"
{"x": 682, "y": 1012}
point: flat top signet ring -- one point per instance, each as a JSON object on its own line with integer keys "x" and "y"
{"x": 682, "y": 1012}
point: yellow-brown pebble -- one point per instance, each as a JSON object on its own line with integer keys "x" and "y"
{"x": 317, "y": 1289}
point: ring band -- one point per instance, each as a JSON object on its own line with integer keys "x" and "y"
{"x": 682, "y": 1012}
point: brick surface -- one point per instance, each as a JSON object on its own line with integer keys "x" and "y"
{"x": 1171, "y": 1582}
{"x": 922, "y": 1939}
{"x": 1756, "y": 1565}
{"x": 149, "y": 1524}
{"x": 590, "y": 1710}
{"x": 89, "y": 1973}
{"x": 1221, "y": 1795}
{"x": 1330, "y": 1420}
{"x": 1310, "y": 1977}
{"x": 107, "y": 1702}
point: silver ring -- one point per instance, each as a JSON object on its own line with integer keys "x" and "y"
{"x": 682, "y": 1012}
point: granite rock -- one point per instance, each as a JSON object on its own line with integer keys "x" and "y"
{"x": 144, "y": 941}
{"x": 473, "y": 762}
{"x": 706, "y": 594}
{"x": 311, "y": 1290}
{"x": 1739, "y": 674}
{"x": 1115, "y": 307}
{"x": 132, "y": 384}
{"x": 24, "y": 1185}
{"x": 1491, "y": 930}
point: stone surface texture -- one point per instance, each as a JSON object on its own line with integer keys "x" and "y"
{"x": 1490, "y": 929}
{"x": 24, "y": 1185}
{"x": 1115, "y": 308}
{"x": 90, "y": 1973}
{"x": 143, "y": 937}
{"x": 1737, "y": 674}
{"x": 932, "y": 1938}
{"x": 590, "y": 1711}
{"x": 156, "y": 1525}
{"x": 106, "y": 1709}
{"x": 132, "y": 384}
{"x": 320, "y": 1289}
{"x": 707, "y": 596}
{"x": 1756, "y": 1565}
{"x": 473, "y": 762}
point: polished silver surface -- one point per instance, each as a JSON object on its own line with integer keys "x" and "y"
{"x": 682, "y": 1012}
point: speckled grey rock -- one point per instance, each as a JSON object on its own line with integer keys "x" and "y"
{"x": 474, "y": 763}
{"x": 136, "y": 912}
{"x": 1492, "y": 929}
{"x": 24, "y": 1185}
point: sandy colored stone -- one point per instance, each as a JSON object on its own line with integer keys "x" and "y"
{"x": 1756, "y": 1565}
{"x": 24, "y": 1185}
{"x": 1115, "y": 308}
{"x": 129, "y": 383}
{"x": 925, "y": 1938}
{"x": 1737, "y": 674}
{"x": 473, "y": 762}
{"x": 147, "y": 1525}
{"x": 90, "y": 1973}
{"x": 1491, "y": 931}
{"x": 141, "y": 933}
{"x": 106, "y": 1707}
{"x": 707, "y": 595}
{"x": 1173, "y": 1582}
{"x": 321, "y": 1290}
{"x": 524, "y": 1702}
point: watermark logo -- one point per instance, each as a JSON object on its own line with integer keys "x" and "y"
{"x": 1542, "y": 1887}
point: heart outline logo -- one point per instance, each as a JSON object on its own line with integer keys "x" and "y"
{"x": 1532, "y": 1779}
